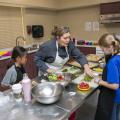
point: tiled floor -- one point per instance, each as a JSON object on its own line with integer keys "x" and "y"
{"x": 87, "y": 110}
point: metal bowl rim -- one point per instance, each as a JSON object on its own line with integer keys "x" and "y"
{"x": 46, "y": 96}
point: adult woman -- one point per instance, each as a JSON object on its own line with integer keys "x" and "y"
{"x": 109, "y": 85}
{"x": 53, "y": 54}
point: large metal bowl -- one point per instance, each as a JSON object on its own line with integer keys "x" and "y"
{"x": 47, "y": 92}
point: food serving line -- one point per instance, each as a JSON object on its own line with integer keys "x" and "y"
{"x": 69, "y": 102}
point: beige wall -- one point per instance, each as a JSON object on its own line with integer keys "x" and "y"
{"x": 76, "y": 19}
{"x": 67, "y": 4}
{"x": 51, "y": 4}
{"x": 40, "y": 17}
{"x": 11, "y": 24}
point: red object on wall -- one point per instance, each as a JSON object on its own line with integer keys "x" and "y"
{"x": 29, "y": 29}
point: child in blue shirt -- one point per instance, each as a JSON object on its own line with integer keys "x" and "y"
{"x": 109, "y": 98}
{"x": 113, "y": 76}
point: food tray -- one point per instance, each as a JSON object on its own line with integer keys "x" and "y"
{"x": 93, "y": 64}
{"x": 94, "y": 58}
{"x": 76, "y": 64}
{"x": 81, "y": 78}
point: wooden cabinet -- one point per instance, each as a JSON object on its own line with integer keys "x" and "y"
{"x": 87, "y": 50}
{"x": 3, "y": 67}
{"x": 31, "y": 67}
{"x": 110, "y": 8}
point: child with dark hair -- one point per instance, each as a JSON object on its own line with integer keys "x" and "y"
{"x": 15, "y": 70}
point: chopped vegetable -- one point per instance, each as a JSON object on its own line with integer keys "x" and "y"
{"x": 52, "y": 77}
{"x": 98, "y": 69}
{"x": 65, "y": 70}
{"x": 60, "y": 77}
{"x": 83, "y": 86}
{"x": 73, "y": 68}
{"x": 55, "y": 77}
{"x": 88, "y": 78}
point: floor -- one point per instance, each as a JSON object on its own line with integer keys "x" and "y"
{"x": 87, "y": 110}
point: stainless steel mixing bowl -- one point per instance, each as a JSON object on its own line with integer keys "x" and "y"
{"x": 47, "y": 92}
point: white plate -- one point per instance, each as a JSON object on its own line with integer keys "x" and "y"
{"x": 93, "y": 84}
{"x": 79, "y": 79}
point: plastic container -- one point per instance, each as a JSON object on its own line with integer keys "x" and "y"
{"x": 17, "y": 88}
{"x": 4, "y": 100}
{"x": 102, "y": 64}
{"x": 17, "y": 92}
{"x": 26, "y": 83}
{"x": 96, "y": 78}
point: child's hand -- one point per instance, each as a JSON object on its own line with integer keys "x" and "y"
{"x": 97, "y": 80}
{"x": 34, "y": 83}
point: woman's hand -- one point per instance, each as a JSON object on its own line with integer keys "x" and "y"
{"x": 50, "y": 70}
{"x": 88, "y": 71}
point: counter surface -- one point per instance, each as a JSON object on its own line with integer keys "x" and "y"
{"x": 70, "y": 101}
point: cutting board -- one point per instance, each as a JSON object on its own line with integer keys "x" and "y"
{"x": 75, "y": 63}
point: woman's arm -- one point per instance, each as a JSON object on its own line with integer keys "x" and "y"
{"x": 87, "y": 70}
{"x": 46, "y": 53}
{"x": 80, "y": 58}
{"x": 40, "y": 59}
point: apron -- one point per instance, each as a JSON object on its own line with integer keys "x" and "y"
{"x": 20, "y": 71}
{"x": 59, "y": 61}
{"x": 105, "y": 100}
